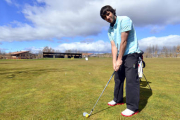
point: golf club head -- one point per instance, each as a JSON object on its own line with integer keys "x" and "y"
{"x": 85, "y": 114}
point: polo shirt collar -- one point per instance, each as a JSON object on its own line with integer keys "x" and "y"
{"x": 114, "y": 23}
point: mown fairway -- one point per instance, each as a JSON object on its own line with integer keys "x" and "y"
{"x": 64, "y": 89}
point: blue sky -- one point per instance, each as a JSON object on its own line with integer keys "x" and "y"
{"x": 76, "y": 25}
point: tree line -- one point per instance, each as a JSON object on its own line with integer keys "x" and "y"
{"x": 164, "y": 52}
{"x": 49, "y": 49}
{"x": 150, "y": 52}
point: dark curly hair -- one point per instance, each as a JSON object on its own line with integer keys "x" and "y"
{"x": 104, "y": 10}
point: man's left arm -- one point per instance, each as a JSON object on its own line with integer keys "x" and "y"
{"x": 124, "y": 37}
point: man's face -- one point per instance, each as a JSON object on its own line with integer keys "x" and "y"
{"x": 109, "y": 17}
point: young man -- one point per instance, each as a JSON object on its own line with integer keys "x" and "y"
{"x": 121, "y": 32}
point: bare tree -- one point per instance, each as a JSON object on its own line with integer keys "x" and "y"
{"x": 48, "y": 49}
{"x": 2, "y": 54}
{"x": 39, "y": 55}
{"x": 174, "y": 54}
{"x": 68, "y": 51}
{"x": 57, "y": 50}
{"x": 148, "y": 52}
{"x": 178, "y": 50}
{"x": 153, "y": 51}
{"x": 1, "y": 57}
{"x": 170, "y": 54}
{"x": 164, "y": 51}
{"x": 156, "y": 49}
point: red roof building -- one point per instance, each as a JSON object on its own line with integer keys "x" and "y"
{"x": 22, "y": 55}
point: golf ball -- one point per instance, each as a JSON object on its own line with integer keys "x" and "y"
{"x": 87, "y": 115}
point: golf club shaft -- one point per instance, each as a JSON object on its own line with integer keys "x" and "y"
{"x": 106, "y": 84}
{"x": 102, "y": 92}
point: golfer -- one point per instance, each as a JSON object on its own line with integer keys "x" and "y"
{"x": 121, "y": 32}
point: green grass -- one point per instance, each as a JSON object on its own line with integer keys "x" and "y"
{"x": 64, "y": 89}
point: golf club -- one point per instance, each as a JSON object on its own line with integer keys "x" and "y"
{"x": 85, "y": 114}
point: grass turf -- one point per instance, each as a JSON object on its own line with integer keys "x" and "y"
{"x": 64, "y": 89}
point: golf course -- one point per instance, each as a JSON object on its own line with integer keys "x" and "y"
{"x": 62, "y": 89}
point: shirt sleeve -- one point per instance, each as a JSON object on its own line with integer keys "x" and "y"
{"x": 126, "y": 24}
{"x": 109, "y": 35}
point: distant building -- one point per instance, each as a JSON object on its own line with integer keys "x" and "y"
{"x": 20, "y": 55}
{"x": 61, "y": 55}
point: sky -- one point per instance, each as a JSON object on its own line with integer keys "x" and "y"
{"x": 77, "y": 25}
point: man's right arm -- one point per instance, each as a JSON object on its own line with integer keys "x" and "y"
{"x": 114, "y": 53}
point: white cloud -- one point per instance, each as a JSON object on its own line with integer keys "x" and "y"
{"x": 168, "y": 41}
{"x": 105, "y": 47}
{"x": 101, "y": 46}
{"x": 67, "y": 18}
{"x": 33, "y": 49}
{"x": 9, "y": 1}
{"x": 98, "y": 46}
{"x": 156, "y": 29}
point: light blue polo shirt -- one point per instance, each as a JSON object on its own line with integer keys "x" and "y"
{"x": 124, "y": 23}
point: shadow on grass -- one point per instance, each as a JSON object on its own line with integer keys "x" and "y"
{"x": 145, "y": 94}
{"x": 144, "y": 83}
{"x": 101, "y": 110}
{"x": 23, "y": 70}
{"x": 5, "y": 63}
{"x": 11, "y": 73}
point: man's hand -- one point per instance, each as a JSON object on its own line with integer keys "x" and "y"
{"x": 114, "y": 66}
{"x": 117, "y": 64}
